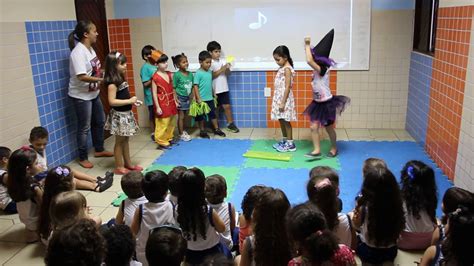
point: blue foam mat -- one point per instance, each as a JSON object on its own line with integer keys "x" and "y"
{"x": 205, "y": 152}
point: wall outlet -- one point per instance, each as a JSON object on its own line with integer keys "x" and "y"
{"x": 267, "y": 92}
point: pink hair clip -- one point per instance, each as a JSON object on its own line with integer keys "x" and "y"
{"x": 25, "y": 148}
{"x": 319, "y": 232}
{"x": 323, "y": 183}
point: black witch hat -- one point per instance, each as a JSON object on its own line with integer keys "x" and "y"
{"x": 323, "y": 48}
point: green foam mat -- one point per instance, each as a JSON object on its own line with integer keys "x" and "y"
{"x": 297, "y": 158}
{"x": 231, "y": 174}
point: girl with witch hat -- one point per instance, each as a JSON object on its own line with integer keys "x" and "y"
{"x": 323, "y": 109}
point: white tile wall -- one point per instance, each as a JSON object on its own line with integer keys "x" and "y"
{"x": 18, "y": 106}
{"x": 464, "y": 174}
{"x": 379, "y": 95}
{"x": 144, "y": 31}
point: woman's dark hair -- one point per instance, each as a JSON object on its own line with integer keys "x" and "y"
{"x": 271, "y": 239}
{"x": 18, "y": 183}
{"x": 453, "y": 197}
{"x": 59, "y": 179}
{"x": 250, "y": 199}
{"x": 216, "y": 189}
{"x": 308, "y": 231}
{"x": 177, "y": 59}
{"x": 112, "y": 75}
{"x": 456, "y": 247}
{"x": 419, "y": 190}
{"x": 324, "y": 197}
{"x": 382, "y": 198}
{"x": 82, "y": 27}
{"x": 284, "y": 52}
{"x": 78, "y": 244}
{"x": 155, "y": 185}
{"x": 146, "y": 51}
{"x": 120, "y": 245}
{"x": 165, "y": 246}
{"x": 192, "y": 205}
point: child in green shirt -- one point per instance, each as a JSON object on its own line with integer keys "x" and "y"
{"x": 146, "y": 73}
{"x": 183, "y": 84}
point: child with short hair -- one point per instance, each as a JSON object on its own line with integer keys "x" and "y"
{"x": 6, "y": 203}
{"x": 24, "y": 189}
{"x": 203, "y": 92}
{"x": 245, "y": 219}
{"x": 452, "y": 198}
{"x": 216, "y": 192}
{"x": 420, "y": 200}
{"x": 59, "y": 179}
{"x": 220, "y": 70}
{"x": 164, "y": 101}
{"x": 146, "y": 73}
{"x": 201, "y": 224}
{"x": 312, "y": 241}
{"x": 121, "y": 121}
{"x": 322, "y": 190}
{"x": 131, "y": 184}
{"x": 173, "y": 176}
{"x": 183, "y": 85}
{"x": 157, "y": 211}
{"x": 39, "y": 138}
{"x": 166, "y": 246}
{"x": 120, "y": 246}
{"x": 283, "y": 103}
{"x": 378, "y": 214}
{"x": 268, "y": 223}
{"x": 79, "y": 244}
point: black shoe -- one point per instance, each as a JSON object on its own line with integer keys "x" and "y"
{"x": 152, "y": 136}
{"x": 233, "y": 128}
{"x": 203, "y": 134}
{"x": 219, "y": 132}
{"x": 108, "y": 175}
{"x": 104, "y": 185}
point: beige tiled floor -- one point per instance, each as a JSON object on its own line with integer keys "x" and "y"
{"x": 14, "y": 250}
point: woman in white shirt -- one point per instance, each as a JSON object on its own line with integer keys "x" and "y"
{"x": 85, "y": 76}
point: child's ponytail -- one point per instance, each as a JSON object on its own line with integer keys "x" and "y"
{"x": 176, "y": 59}
{"x": 321, "y": 246}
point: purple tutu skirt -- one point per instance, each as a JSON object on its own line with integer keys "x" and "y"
{"x": 325, "y": 113}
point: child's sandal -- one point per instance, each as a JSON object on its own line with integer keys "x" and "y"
{"x": 104, "y": 185}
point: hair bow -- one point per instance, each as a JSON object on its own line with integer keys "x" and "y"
{"x": 323, "y": 183}
{"x": 25, "y": 148}
{"x": 411, "y": 173}
{"x": 62, "y": 171}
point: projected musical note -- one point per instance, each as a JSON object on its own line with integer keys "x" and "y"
{"x": 261, "y": 21}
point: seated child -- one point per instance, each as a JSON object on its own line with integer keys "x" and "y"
{"x": 173, "y": 176}
{"x": 39, "y": 140}
{"x": 216, "y": 192}
{"x": 157, "y": 211}
{"x": 120, "y": 246}
{"x": 6, "y": 203}
{"x": 78, "y": 244}
{"x": 166, "y": 246}
{"x": 132, "y": 187}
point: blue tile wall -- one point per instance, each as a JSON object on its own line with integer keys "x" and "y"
{"x": 249, "y": 106}
{"x": 49, "y": 56}
{"x": 419, "y": 96}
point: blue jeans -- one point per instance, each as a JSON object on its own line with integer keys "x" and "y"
{"x": 90, "y": 116}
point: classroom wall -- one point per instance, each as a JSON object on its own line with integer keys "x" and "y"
{"x": 33, "y": 84}
{"x": 439, "y": 113}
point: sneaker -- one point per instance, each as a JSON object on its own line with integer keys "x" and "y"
{"x": 287, "y": 147}
{"x": 185, "y": 136}
{"x": 279, "y": 144}
{"x": 203, "y": 134}
{"x": 219, "y": 132}
{"x": 232, "y": 128}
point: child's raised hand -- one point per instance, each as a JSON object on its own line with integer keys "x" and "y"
{"x": 307, "y": 40}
